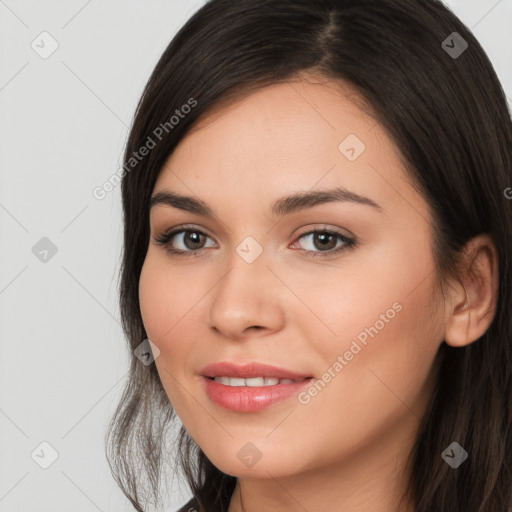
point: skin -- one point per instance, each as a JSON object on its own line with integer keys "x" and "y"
{"x": 349, "y": 444}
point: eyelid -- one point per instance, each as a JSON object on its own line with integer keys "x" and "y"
{"x": 184, "y": 227}
{"x": 326, "y": 228}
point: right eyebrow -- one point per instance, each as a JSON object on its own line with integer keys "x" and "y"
{"x": 189, "y": 204}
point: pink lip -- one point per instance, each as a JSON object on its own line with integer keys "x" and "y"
{"x": 247, "y": 371}
{"x": 250, "y": 398}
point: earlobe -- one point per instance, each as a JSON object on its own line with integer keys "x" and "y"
{"x": 472, "y": 306}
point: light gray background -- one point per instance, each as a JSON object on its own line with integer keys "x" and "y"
{"x": 63, "y": 124}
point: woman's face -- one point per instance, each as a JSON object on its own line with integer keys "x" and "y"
{"x": 338, "y": 287}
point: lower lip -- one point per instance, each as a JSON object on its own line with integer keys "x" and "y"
{"x": 248, "y": 398}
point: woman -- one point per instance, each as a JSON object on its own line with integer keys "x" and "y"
{"x": 317, "y": 240}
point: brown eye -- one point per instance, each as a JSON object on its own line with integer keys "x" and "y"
{"x": 192, "y": 240}
{"x": 322, "y": 242}
{"x": 184, "y": 241}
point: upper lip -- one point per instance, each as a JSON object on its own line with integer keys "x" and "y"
{"x": 250, "y": 370}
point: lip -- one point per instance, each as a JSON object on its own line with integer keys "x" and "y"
{"x": 250, "y": 370}
{"x": 250, "y": 398}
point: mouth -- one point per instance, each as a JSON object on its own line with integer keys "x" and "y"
{"x": 251, "y": 374}
{"x": 251, "y": 387}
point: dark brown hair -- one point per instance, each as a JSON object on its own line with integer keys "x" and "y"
{"x": 448, "y": 116}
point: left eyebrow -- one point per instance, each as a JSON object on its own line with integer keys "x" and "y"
{"x": 283, "y": 206}
{"x": 303, "y": 200}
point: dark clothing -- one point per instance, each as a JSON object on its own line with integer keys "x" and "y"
{"x": 193, "y": 506}
{"x": 190, "y": 506}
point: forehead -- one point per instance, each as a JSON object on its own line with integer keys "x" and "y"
{"x": 282, "y": 139}
{"x": 301, "y": 114}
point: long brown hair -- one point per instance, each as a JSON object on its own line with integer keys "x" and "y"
{"x": 443, "y": 106}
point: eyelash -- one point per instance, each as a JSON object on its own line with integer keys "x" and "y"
{"x": 166, "y": 238}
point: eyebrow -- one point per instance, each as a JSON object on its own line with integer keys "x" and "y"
{"x": 283, "y": 206}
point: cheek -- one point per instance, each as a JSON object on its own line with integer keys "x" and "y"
{"x": 385, "y": 292}
{"x": 154, "y": 301}
{"x": 166, "y": 298}
{"x": 166, "y": 306}
{"x": 378, "y": 384}
{"x": 379, "y": 317}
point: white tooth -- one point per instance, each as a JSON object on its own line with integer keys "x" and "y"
{"x": 252, "y": 382}
{"x": 255, "y": 381}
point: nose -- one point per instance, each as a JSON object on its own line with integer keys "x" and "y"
{"x": 246, "y": 299}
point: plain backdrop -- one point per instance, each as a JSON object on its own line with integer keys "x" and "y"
{"x": 64, "y": 120}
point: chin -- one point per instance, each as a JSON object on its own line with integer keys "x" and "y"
{"x": 240, "y": 464}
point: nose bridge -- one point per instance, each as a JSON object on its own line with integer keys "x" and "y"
{"x": 245, "y": 296}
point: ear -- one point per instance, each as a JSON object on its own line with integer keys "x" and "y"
{"x": 472, "y": 304}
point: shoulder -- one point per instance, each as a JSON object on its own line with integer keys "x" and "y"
{"x": 190, "y": 506}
